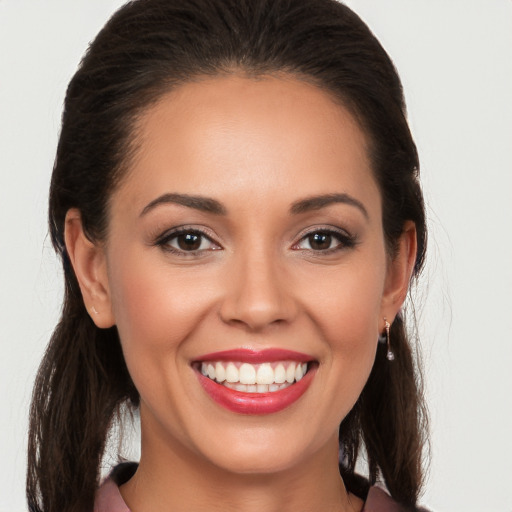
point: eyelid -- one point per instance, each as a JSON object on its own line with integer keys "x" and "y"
{"x": 164, "y": 239}
{"x": 346, "y": 239}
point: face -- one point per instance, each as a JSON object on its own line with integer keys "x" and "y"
{"x": 246, "y": 243}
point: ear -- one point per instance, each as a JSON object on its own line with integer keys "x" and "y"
{"x": 399, "y": 273}
{"x": 89, "y": 263}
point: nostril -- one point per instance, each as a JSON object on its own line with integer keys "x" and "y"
{"x": 255, "y": 314}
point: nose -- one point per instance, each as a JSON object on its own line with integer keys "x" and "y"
{"x": 258, "y": 292}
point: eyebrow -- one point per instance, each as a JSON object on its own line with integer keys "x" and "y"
{"x": 318, "y": 202}
{"x": 204, "y": 204}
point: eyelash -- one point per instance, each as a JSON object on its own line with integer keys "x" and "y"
{"x": 345, "y": 241}
{"x": 165, "y": 240}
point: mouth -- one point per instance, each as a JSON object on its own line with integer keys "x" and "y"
{"x": 266, "y": 377}
{"x": 255, "y": 382}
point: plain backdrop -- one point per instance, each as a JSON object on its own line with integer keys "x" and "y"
{"x": 455, "y": 60}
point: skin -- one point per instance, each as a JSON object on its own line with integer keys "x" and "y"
{"x": 257, "y": 281}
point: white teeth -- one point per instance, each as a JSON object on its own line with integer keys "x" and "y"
{"x": 265, "y": 374}
{"x": 232, "y": 373}
{"x": 279, "y": 374}
{"x": 220, "y": 373}
{"x": 256, "y": 388}
{"x": 290, "y": 373}
{"x": 247, "y": 374}
{"x": 259, "y": 378}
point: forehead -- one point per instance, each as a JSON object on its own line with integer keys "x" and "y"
{"x": 274, "y": 136}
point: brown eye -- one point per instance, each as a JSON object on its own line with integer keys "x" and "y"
{"x": 189, "y": 241}
{"x": 325, "y": 241}
{"x": 320, "y": 241}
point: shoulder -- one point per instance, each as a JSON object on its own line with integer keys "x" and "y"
{"x": 108, "y": 497}
{"x": 379, "y": 500}
{"x": 375, "y": 497}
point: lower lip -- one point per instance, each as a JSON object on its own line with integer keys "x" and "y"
{"x": 256, "y": 403}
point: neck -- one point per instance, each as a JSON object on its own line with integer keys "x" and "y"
{"x": 172, "y": 479}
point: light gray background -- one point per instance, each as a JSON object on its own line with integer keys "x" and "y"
{"x": 455, "y": 59}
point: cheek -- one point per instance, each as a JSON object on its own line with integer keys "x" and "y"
{"x": 347, "y": 302}
{"x": 154, "y": 309}
{"x": 345, "y": 309}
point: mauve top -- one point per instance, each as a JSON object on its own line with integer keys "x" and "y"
{"x": 109, "y": 499}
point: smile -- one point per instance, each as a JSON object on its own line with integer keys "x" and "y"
{"x": 250, "y": 382}
{"x": 249, "y": 378}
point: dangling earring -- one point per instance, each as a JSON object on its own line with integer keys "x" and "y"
{"x": 390, "y": 355}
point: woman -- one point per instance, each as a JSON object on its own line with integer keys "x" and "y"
{"x": 236, "y": 203}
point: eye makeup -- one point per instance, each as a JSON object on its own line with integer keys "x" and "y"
{"x": 186, "y": 241}
{"x": 325, "y": 240}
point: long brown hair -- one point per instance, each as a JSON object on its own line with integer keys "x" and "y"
{"x": 147, "y": 48}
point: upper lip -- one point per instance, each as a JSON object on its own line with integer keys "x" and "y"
{"x": 267, "y": 355}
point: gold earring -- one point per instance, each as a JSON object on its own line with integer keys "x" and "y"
{"x": 389, "y": 355}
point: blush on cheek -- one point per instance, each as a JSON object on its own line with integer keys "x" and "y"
{"x": 154, "y": 308}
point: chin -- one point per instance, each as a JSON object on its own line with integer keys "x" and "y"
{"x": 261, "y": 453}
{"x": 267, "y": 463}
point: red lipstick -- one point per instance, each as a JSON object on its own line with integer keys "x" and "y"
{"x": 256, "y": 403}
{"x": 268, "y": 355}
